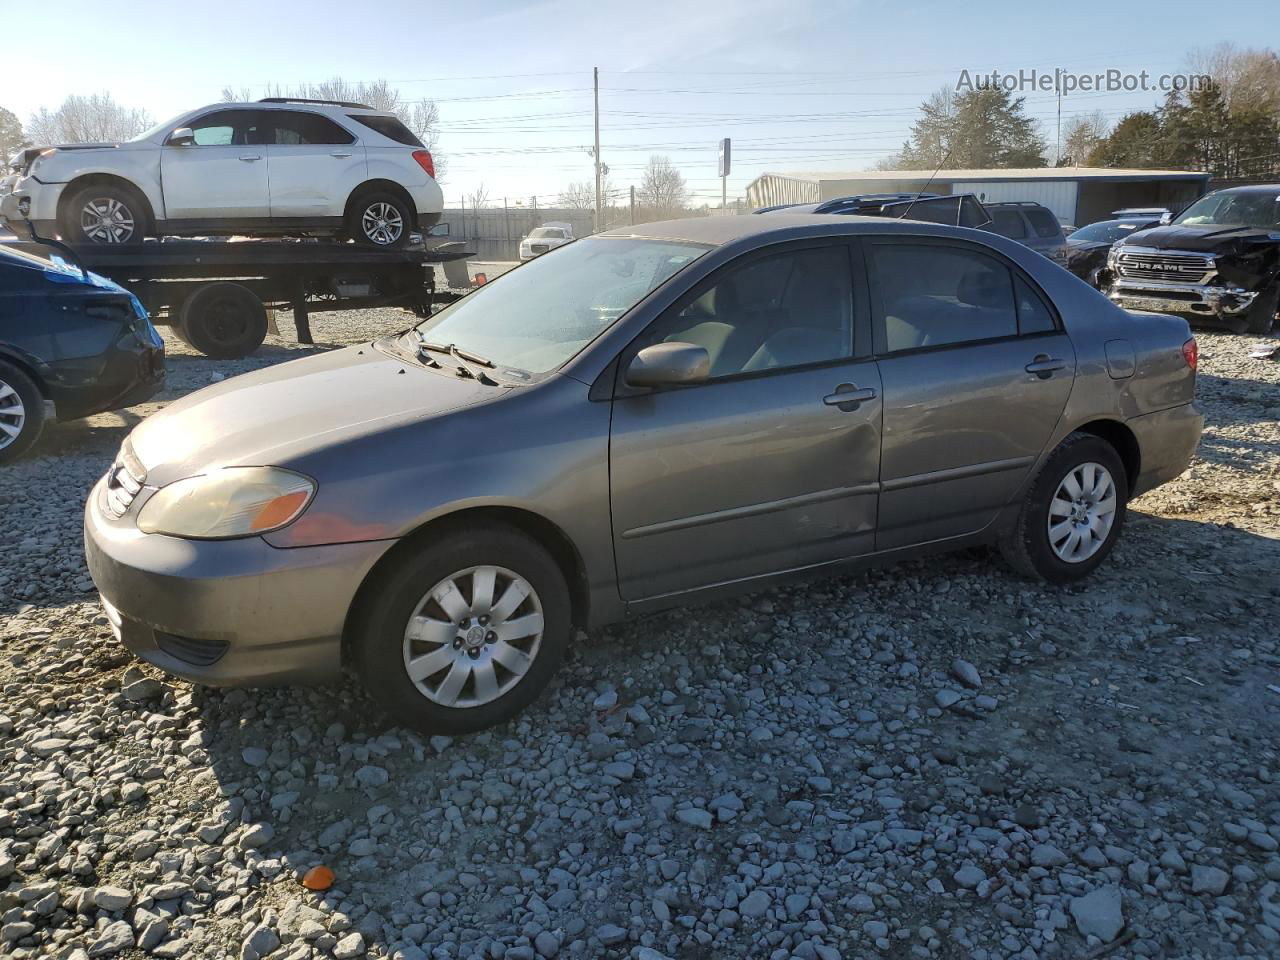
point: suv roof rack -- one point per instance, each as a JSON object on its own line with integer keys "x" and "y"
{"x": 333, "y": 103}
{"x": 1011, "y": 203}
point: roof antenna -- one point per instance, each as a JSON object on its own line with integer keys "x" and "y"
{"x": 926, "y": 186}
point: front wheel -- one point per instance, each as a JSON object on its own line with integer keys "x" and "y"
{"x": 464, "y": 633}
{"x": 21, "y": 412}
{"x": 1072, "y": 514}
{"x": 380, "y": 219}
{"x": 104, "y": 214}
{"x": 1262, "y": 312}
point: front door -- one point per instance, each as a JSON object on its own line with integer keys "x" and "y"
{"x": 976, "y": 372}
{"x": 313, "y": 165}
{"x": 223, "y": 174}
{"x": 772, "y": 463}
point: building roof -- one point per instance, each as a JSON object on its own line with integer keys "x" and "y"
{"x": 1019, "y": 173}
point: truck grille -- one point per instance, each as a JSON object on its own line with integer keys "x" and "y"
{"x": 1165, "y": 265}
{"x": 124, "y": 481}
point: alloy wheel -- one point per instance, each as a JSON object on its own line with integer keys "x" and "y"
{"x": 382, "y": 223}
{"x": 1082, "y": 512}
{"x": 13, "y": 415}
{"x": 107, "y": 220}
{"x": 473, "y": 636}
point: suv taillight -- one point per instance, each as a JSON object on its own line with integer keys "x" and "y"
{"x": 1191, "y": 353}
{"x": 425, "y": 162}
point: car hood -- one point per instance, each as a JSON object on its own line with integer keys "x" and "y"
{"x": 1206, "y": 238}
{"x": 276, "y": 415}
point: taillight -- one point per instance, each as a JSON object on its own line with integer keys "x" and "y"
{"x": 1191, "y": 353}
{"x": 425, "y": 162}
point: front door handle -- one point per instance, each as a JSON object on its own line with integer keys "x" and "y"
{"x": 250, "y": 157}
{"x": 1044, "y": 365}
{"x": 849, "y": 396}
{"x": 339, "y": 154}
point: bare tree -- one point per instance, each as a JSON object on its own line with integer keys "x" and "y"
{"x": 662, "y": 189}
{"x": 11, "y": 135}
{"x": 420, "y": 116}
{"x": 581, "y": 195}
{"x": 478, "y": 197}
{"x": 89, "y": 119}
{"x": 1249, "y": 80}
{"x": 1081, "y": 138}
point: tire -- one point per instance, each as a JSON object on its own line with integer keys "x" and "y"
{"x": 1030, "y": 547}
{"x": 223, "y": 320}
{"x": 21, "y": 412}
{"x": 380, "y": 219}
{"x": 462, "y": 649}
{"x": 1262, "y": 312}
{"x": 120, "y": 213}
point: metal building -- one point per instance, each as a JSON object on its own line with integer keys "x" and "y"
{"x": 1076, "y": 195}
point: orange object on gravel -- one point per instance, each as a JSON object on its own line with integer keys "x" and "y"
{"x": 318, "y": 878}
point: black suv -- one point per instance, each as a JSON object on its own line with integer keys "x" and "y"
{"x": 1218, "y": 260}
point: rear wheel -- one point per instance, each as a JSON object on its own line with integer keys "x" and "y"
{"x": 380, "y": 219}
{"x": 223, "y": 320}
{"x": 465, "y": 633}
{"x": 21, "y": 412}
{"x": 1073, "y": 513}
{"x": 106, "y": 213}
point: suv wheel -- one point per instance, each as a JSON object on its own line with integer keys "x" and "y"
{"x": 380, "y": 219}
{"x": 104, "y": 214}
{"x": 1072, "y": 514}
{"x": 21, "y": 412}
{"x": 465, "y": 633}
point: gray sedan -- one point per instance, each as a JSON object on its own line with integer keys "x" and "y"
{"x": 632, "y": 421}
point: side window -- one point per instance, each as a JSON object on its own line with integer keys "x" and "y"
{"x": 778, "y": 311}
{"x": 296, "y": 127}
{"x": 1008, "y": 223}
{"x": 226, "y": 128}
{"x": 936, "y": 295}
{"x": 1034, "y": 315}
{"x": 1045, "y": 223}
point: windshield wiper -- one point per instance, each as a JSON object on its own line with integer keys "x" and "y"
{"x": 460, "y": 358}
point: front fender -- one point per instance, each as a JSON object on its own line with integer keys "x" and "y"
{"x": 140, "y": 169}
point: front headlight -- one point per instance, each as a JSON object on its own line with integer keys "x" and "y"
{"x": 1112, "y": 254}
{"x": 227, "y": 503}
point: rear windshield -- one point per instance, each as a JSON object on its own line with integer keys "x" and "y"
{"x": 389, "y": 127}
{"x": 1007, "y": 223}
{"x": 1044, "y": 222}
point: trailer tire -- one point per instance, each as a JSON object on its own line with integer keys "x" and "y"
{"x": 223, "y": 320}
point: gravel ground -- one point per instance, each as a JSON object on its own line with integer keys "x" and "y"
{"x": 931, "y": 760}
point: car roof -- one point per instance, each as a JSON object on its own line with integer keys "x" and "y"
{"x": 718, "y": 231}
{"x": 302, "y": 106}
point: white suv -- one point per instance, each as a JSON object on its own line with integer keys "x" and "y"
{"x": 274, "y": 167}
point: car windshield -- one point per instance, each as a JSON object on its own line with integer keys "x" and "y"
{"x": 534, "y": 318}
{"x": 546, "y": 233}
{"x": 167, "y": 127}
{"x": 1253, "y": 209}
{"x": 1108, "y": 231}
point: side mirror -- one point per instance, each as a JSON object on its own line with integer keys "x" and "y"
{"x": 438, "y": 230}
{"x": 1166, "y": 217}
{"x": 182, "y": 137}
{"x": 669, "y": 364}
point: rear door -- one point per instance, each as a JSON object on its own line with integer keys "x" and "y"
{"x": 223, "y": 174}
{"x": 772, "y": 463}
{"x": 976, "y": 372}
{"x": 313, "y": 164}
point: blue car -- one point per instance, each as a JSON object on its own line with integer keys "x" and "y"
{"x": 72, "y": 344}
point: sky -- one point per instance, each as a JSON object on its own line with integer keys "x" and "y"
{"x": 797, "y": 84}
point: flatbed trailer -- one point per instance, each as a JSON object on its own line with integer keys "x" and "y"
{"x": 215, "y": 293}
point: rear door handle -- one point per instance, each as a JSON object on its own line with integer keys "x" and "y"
{"x": 849, "y": 396}
{"x": 1044, "y": 365}
{"x": 250, "y": 157}
{"x": 339, "y": 154}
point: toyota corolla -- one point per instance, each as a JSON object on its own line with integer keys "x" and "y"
{"x": 632, "y": 421}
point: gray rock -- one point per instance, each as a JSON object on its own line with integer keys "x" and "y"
{"x": 946, "y": 698}
{"x": 116, "y": 937}
{"x": 349, "y": 947}
{"x": 547, "y": 944}
{"x": 619, "y": 770}
{"x": 755, "y": 904}
{"x": 254, "y": 756}
{"x": 371, "y": 776}
{"x": 1208, "y": 879}
{"x": 969, "y": 876}
{"x": 695, "y": 818}
{"x": 966, "y": 673}
{"x": 257, "y": 835}
{"x": 611, "y": 934}
{"x": 110, "y": 898}
{"x": 1099, "y": 913}
{"x": 260, "y": 942}
{"x": 1047, "y": 855}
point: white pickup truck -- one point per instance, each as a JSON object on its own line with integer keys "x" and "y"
{"x": 271, "y": 168}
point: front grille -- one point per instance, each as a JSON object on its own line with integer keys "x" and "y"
{"x": 124, "y": 481}
{"x": 538, "y": 248}
{"x": 199, "y": 653}
{"x": 1165, "y": 265}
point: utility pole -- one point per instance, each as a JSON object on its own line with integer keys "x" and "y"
{"x": 633, "y": 204}
{"x": 595, "y": 72}
{"x": 1058, "y": 150}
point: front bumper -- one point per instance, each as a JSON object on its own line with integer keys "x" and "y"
{"x": 1167, "y": 440}
{"x": 225, "y": 612}
{"x": 1206, "y": 300}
